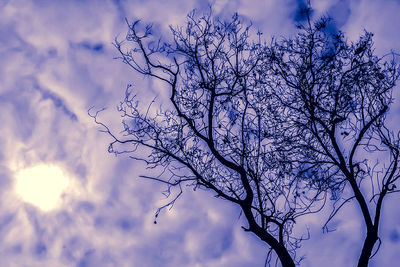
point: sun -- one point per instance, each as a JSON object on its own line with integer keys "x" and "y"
{"x": 41, "y": 185}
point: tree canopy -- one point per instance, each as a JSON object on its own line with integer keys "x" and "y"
{"x": 277, "y": 128}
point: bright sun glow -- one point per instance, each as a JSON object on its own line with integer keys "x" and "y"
{"x": 41, "y": 185}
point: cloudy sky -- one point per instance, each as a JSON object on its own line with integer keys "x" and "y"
{"x": 56, "y": 61}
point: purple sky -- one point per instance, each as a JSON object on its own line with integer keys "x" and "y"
{"x": 56, "y": 61}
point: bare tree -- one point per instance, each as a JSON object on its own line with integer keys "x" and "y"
{"x": 272, "y": 128}
{"x": 333, "y": 98}
{"x": 216, "y": 134}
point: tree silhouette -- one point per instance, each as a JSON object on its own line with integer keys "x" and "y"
{"x": 333, "y": 98}
{"x": 275, "y": 129}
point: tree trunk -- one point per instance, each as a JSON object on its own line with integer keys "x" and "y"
{"x": 283, "y": 254}
{"x": 279, "y": 248}
{"x": 368, "y": 246}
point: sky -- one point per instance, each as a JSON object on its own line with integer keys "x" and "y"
{"x": 57, "y": 61}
